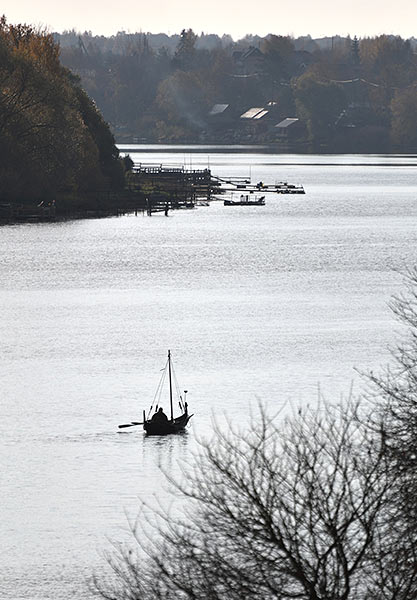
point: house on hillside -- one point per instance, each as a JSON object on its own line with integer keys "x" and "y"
{"x": 221, "y": 119}
{"x": 289, "y": 130}
{"x": 219, "y": 110}
{"x": 254, "y": 114}
{"x": 254, "y": 121}
{"x": 299, "y": 61}
{"x": 221, "y": 113}
{"x": 249, "y": 62}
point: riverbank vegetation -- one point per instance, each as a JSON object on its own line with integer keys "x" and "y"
{"x": 319, "y": 506}
{"x": 55, "y": 147}
{"x": 334, "y": 94}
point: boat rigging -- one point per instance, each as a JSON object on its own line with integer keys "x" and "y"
{"x": 156, "y": 422}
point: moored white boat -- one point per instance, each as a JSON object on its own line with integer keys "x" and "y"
{"x": 245, "y": 200}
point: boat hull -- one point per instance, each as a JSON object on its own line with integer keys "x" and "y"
{"x": 166, "y": 427}
{"x": 244, "y": 203}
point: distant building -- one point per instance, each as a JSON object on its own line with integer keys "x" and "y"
{"x": 219, "y": 109}
{"x": 221, "y": 117}
{"x": 254, "y": 114}
{"x": 257, "y": 123}
{"x": 249, "y": 62}
{"x": 254, "y": 121}
{"x": 289, "y": 130}
{"x": 285, "y": 123}
{"x": 299, "y": 61}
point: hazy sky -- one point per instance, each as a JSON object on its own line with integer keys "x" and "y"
{"x": 295, "y": 17}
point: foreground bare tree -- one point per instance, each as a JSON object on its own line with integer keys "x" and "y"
{"x": 397, "y": 385}
{"x": 396, "y": 402}
{"x": 301, "y": 510}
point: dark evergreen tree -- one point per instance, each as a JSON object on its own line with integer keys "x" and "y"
{"x": 185, "y": 52}
{"x": 355, "y": 54}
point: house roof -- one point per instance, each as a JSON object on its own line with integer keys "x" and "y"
{"x": 252, "y": 51}
{"x": 286, "y": 122}
{"x": 218, "y": 109}
{"x": 253, "y": 113}
{"x": 261, "y": 114}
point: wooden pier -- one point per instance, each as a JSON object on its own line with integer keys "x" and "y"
{"x": 172, "y": 187}
{"x": 15, "y": 213}
{"x": 165, "y": 187}
{"x": 237, "y": 184}
{"x": 149, "y": 188}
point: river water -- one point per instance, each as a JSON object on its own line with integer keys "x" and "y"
{"x": 276, "y": 304}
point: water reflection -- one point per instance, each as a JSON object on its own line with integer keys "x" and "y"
{"x": 166, "y": 450}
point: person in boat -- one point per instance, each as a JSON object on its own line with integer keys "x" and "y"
{"x": 160, "y": 416}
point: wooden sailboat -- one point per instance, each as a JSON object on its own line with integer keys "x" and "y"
{"x": 159, "y": 423}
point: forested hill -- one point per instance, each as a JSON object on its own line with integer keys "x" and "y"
{"x": 54, "y": 144}
{"x": 333, "y": 94}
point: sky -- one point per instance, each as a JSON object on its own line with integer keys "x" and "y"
{"x": 281, "y": 17}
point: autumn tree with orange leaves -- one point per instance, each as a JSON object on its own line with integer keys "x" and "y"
{"x": 53, "y": 141}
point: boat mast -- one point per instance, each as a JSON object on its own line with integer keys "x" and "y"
{"x": 170, "y": 385}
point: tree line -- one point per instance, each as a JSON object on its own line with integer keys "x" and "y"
{"x": 54, "y": 143}
{"x": 351, "y": 94}
{"x": 318, "y": 506}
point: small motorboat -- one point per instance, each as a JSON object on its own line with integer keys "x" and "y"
{"x": 246, "y": 200}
